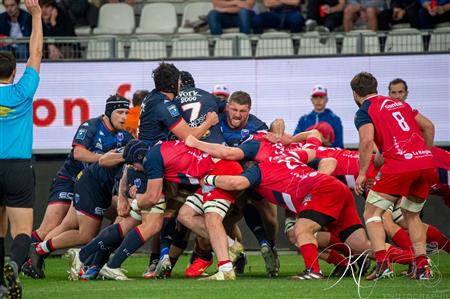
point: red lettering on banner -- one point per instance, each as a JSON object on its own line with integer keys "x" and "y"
{"x": 70, "y": 104}
{"x": 51, "y": 112}
{"x": 123, "y": 89}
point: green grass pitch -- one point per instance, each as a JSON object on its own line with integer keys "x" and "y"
{"x": 253, "y": 284}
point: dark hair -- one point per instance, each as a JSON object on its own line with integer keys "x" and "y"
{"x": 166, "y": 77}
{"x": 398, "y": 81}
{"x": 17, "y": 1}
{"x": 241, "y": 98}
{"x": 7, "y": 64}
{"x": 51, "y": 3}
{"x": 186, "y": 80}
{"x": 138, "y": 97}
{"x": 364, "y": 83}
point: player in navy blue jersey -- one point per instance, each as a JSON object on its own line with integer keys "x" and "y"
{"x": 93, "y": 193}
{"x": 93, "y": 138}
{"x": 160, "y": 117}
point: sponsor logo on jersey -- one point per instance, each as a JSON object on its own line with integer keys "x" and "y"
{"x": 99, "y": 144}
{"x": 99, "y": 211}
{"x": 65, "y": 195}
{"x": 81, "y": 134}
{"x": 408, "y": 156}
{"x": 137, "y": 182}
{"x": 120, "y": 136}
{"x": 173, "y": 110}
{"x": 101, "y": 133}
{"x": 306, "y": 199}
{"x": 245, "y": 133}
{"x": 4, "y": 111}
{"x": 76, "y": 198}
{"x": 394, "y": 105}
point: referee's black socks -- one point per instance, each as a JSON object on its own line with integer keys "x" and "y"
{"x": 2, "y": 260}
{"x": 19, "y": 249}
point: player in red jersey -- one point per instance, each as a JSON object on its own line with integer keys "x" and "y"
{"x": 408, "y": 168}
{"x": 282, "y": 178}
{"x": 175, "y": 162}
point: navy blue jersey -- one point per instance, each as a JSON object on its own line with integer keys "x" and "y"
{"x": 104, "y": 177}
{"x": 158, "y": 116}
{"x": 136, "y": 178}
{"x": 194, "y": 104}
{"x": 95, "y": 136}
{"x": 234, "y": 137}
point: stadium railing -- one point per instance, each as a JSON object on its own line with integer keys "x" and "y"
{"x": 271, "y": 44}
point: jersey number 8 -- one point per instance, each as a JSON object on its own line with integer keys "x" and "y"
{"x": 401, "y": 121}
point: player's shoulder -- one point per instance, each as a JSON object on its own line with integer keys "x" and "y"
{"x": 92, "y": 122}
{"x": 253, "y": 119}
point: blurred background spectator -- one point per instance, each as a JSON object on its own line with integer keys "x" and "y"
{"x": 81, "y": 12}
{"x": 280, "y": 14}
{"x": 328, "y": 13}
{"x": 400, "y": 11}
{"x": 57, "y": 22}
{"x": 366, "y": 10}
{"x": 434, "y": 12}
{"x": 16, "y": 23}
{"x": 231, "y": 13}
{"x": 319, "y": 99}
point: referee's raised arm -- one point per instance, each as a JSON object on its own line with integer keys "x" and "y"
{"x": 36, "y": 39}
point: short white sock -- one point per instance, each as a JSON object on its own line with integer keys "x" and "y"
{"x": 226, "y": 267}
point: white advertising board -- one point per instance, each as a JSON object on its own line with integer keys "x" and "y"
{"x": 70, "y": 92}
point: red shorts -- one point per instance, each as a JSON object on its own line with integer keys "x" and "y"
{"x": 412, "y": 183}
{"x": 332, "y": 205}
{"x": 223, "y": 167}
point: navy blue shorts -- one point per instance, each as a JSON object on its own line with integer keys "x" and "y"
{"x": 61, "y": 191}
{"x": 90, "y": 198}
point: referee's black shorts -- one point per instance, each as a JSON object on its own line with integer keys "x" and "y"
{"x": 16, "y": 183}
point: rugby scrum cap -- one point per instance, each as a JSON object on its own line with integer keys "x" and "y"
{"x": 134, "y": 152}
{"x": 186, "y": 80}
{"x": 221, "y": 90}
{"x": 319, "y": 90}
{"x": 115, "y": 102}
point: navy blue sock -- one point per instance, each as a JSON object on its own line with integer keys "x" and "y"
{"x": 254, "y": 223}
{"x": 181, "y": 236}
{"x": 101, "y": 258}
{"x": 130, "y": 244}
{"x": 166, "y": 233}
{"x": 108, "y": 237}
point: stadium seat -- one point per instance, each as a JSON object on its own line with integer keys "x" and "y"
{"x": 83, "y": 30}
{"x": 99, "y": 49}
{"x": 224, "y": 45}
{"x": 312, "y": 43}
{"x": 143, "y": 47}
{"x": 406, "y": 40}
{"x": 190, "y": 45}
{"x": 275, "y": 44}
{"x": 369, "y": 39}
{"x": 115, "y": 18}
{"x": 440, "y": 40}
{"x": 158, "y": 18}
{"x": 192, "y": 12}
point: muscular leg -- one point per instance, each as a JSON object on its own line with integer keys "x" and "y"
{"x": 54, "y": 215}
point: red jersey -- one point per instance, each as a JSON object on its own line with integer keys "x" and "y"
{"x": 285, "y": 180}
{"x": 396, "y": 134}
{"x": 176, "y": 162}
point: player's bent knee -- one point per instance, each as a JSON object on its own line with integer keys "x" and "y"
{"x": 218, "y": 206}
{"x": 377, "y": 200}
{"x": 411, "y": 206}
{"x": 158, "y": 208}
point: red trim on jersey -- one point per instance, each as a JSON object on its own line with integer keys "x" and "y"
{"x": 59, "y": 203}
{"x": 77, "y": 144}
{"x": 64, "y": 177}
{"x": 175, "y": 124}
{"x": 95, "y": 217}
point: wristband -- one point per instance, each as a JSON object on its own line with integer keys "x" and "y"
{"x": 210, "y": 180}
{"x": 134, "y": 205}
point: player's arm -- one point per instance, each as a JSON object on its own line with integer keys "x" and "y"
{"x": 182, "y": 129}
{"x": 216, "y": 150}
{"x": 36, "y": 38}
{"x": 327, "y": 165}
{"x": 338, "y": 133}
{"x": 366, "y": 135}
{"x": 427, "y": 128}
{"x": 300, "y": 137}
{"x": 228, "y": 182}
{"x": 84, "y": 155}
{"x": 110, "y": 159}
{"x": 151, "y": 196}
{"x": 123, "y": 207}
